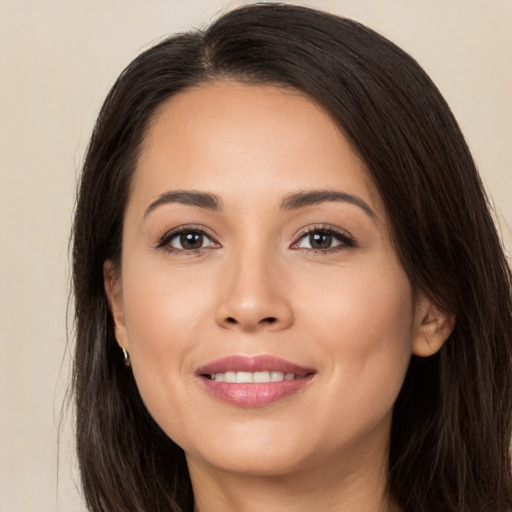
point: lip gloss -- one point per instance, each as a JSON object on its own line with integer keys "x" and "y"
{"x": 253, "y": 381}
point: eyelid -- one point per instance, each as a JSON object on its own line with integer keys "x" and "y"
{"x": 164, "y": 241}
{"x": 346, "y": 239}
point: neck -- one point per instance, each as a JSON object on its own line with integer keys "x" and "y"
{"x": 353, "y": 484}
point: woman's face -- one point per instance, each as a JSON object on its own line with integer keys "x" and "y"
{"x": 256, "y": 249}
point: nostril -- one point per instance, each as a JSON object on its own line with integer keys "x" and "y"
{"x": 268, "y": 320}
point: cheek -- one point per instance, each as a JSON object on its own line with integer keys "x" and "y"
{"x": 373, "y": 303}
{"x": 164, "y": 316}
{"x": 163, "y": 308}
{"x": 365, "y": 321}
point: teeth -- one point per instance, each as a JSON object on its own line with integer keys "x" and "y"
{"x": 229, "y": 377}
{"x": 244, "y": 377}
{"x": 276, "y": 376}
{"x": 261, "y": 377}
{"x": 254, "y": 377}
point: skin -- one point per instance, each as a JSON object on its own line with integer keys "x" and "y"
{"x": 348, "y": 311}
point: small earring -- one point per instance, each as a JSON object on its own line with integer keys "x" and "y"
{"x": 127, "y": 361}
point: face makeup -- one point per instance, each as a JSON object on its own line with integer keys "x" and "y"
{"x": 246, "y": 381}
{"x": 268, "y": 319}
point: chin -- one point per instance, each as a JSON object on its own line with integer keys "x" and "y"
{"x": 252, "y": 461}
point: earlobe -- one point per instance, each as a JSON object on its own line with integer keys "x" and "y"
{"x": 113, "y": 291}
{"x": 434, "y": 327}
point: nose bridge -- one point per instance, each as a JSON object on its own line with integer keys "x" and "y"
{"x": 255, "y": 296}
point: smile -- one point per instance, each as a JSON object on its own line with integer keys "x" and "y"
{"x": 253, "y": 381}
{"x": 254, "y": 377}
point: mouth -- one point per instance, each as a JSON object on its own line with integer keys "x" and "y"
{"x": 253, "y": 381}
{"x": 254, "y": 377}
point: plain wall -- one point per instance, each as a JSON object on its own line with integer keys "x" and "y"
{"x": 57, "y": 62}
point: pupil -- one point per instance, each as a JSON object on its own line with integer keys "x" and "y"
{"x": 320, "y": 241}
{"x": 191, "y": 240}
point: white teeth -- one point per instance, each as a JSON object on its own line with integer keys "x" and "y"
{"x": 230, "y": 377}
{"x": 254, "y": 377}
{"x": 276, "y": 376}
{"x": 261, "y": 377}
{"x": 244, "y": 377}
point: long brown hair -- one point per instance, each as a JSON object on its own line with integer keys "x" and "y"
{"x": 452, "y": 425}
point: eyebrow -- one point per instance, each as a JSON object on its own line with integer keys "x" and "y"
{"x": 189, "y": 197}
{"x": 292, "y": 202}
{"x": 310, "y": 198}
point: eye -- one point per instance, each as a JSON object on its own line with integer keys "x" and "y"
{"x": 323, "y": 240}
{"x": 318, "y": 240}
{"x": 190, "y": 241}
{"x": 186, "y": 240}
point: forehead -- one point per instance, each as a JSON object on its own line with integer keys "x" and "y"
{"x": 250, "y": 139}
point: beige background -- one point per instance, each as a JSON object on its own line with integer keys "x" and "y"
{"x": 57, "y": 61}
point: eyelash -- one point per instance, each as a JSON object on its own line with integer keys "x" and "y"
{"x": 347, "y": 241}
{"x": 165, "y": 241}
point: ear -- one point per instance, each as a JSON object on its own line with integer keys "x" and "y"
{"x": 114, "y": 293}
{"x": 434, "y": 326}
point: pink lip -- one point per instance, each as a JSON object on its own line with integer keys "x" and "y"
{"x": 238, "y": 363}
{"x": 255, "y": 394}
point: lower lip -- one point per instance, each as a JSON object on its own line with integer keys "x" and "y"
{"x": 254, "y": 395}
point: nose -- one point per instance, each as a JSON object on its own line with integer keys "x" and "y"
{"x": 254, "y": 296}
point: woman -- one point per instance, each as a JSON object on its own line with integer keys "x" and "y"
{"x": 290, "y": 294}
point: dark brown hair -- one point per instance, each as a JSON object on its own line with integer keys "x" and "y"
{"x": 451, "y": 427}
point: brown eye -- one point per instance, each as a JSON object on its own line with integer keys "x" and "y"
{"x": 190, "y": 241}
{"x": 320, "y": 240}
{"x": 324, "y": 240}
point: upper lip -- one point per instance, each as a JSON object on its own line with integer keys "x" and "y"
{"x": 248, "y": 363}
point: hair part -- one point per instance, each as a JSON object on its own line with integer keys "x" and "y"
{"x": 452, "y": 424}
